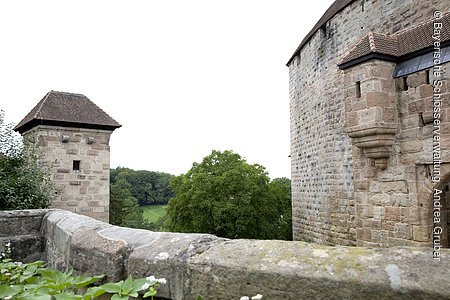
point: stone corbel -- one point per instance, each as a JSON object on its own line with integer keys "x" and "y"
{"x": 376, "y": 141}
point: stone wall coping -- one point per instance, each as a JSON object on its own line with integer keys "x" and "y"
{"x": 219, "y": 268}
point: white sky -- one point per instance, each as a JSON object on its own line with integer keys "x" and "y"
{"x": 182, "y": 77}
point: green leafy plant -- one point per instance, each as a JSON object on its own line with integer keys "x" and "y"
{"x": 24, "y": 182}
{"x": 36, "y": 281}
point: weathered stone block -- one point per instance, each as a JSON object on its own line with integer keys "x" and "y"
{"x": 392, "y": 213}
{"x": 422, "y": 233}
{"x": 403, "y": 231}
{"x": 379, "y": 236}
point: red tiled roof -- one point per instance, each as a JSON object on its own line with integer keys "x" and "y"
{"x": 402, "y": 43}
{"x": 67, "y": 109}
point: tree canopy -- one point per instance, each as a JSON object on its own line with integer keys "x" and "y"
{"x": 131, "y": 189}
{"x": 124, "y": 208}
{"x": 226, "y": 196}
{"x": 24, "y": 184}
{"x": 146, "y": 186}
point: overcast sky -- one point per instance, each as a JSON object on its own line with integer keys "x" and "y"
{"x": 182, "y": 77}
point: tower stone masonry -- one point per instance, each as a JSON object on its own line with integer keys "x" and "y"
{"x": 72, "y": 138}
{"x": 363, "y": 92}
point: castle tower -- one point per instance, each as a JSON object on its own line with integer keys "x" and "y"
{"x": 369, "y": 110}
{"x": 72, "y": 135}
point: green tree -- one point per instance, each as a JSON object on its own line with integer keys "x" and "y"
{"x": 226, "y": 196}
{"x": 24, "y": 184}
{"x": 280, "y": 190}
{"x": 146, "y": 186}
{"x": 124, "y": 209}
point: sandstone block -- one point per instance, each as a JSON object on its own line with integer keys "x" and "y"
{"x": 403, "y": 231}
{"x": 422, "y": 233}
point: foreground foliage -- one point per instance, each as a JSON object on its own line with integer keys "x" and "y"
{"x": 24, "y": 184}
{"x": 226, "y": 196}
{"x": 35, "y": 281}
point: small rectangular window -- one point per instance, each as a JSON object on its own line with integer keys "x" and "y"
{"x": 358, "y": 89}
{"x": 76, "y": 165}
{"x": 405, "y": 83}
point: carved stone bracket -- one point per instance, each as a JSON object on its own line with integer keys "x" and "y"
{"x": 376, "y": 141}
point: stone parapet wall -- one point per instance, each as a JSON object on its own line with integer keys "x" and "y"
{"x": 86, "y": 190}
{"x": 219, "y": 268}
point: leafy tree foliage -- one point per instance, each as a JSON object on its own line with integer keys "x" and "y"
{"x": 226, "y": 196}
{"x": 280, "y": 190}
{"x": 146, "y": 186}
{"x": 24, "y": 184}
{"x": 124, "y": 209}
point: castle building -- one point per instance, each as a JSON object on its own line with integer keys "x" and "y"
{"x": 72, "y": 136}
{"x": 370, "y": 125}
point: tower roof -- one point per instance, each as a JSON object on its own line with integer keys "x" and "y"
{"x": 67, "y": 110}
{"x": 395, "y": 47}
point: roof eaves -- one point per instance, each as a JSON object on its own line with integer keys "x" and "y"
{"x": 367, "y": 57}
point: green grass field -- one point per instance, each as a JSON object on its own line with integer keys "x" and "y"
{"x": 153, "y": 212}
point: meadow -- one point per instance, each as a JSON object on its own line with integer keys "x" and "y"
{"x": 153, "y": 212}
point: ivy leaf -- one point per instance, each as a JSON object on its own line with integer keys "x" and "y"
{"x": 81, "y": 281}
{"x": 117, "y": 297}
{"x": 39, "y": 297}
{"x": 138, "y": 283}
{"x": 113, "y": 288}
{"x": 94, "y": 292}
{"x": 127, "y": 285}
{"x": 6, "y": 290}
{"x": 67, "y": 296}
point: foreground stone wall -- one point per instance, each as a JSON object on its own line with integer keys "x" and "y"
{"x": 86, "y": 190}
{"x": 219, "y": 268}
{"x": 323, "y": 165}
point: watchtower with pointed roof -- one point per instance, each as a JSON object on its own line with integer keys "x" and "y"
{"x": 72, "y": 135}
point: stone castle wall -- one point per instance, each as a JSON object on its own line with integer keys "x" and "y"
{"x": 394, "y": 205}
{"x": 84, "y": 191}
{"x": 323, "y": 158}
{"x": 217, "y": 268}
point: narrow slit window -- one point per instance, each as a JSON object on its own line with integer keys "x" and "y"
{"x": 323, "y": 30}
{"x": 404, "y": 83}
{"x": 76, "y": 165}
{"x": 358, "y": 89}
{"x": 427, "y": 74}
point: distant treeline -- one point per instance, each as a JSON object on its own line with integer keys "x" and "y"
{"x": 147, "y": 187}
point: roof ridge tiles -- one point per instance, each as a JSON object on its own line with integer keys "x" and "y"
{"x": 371, "y": 41}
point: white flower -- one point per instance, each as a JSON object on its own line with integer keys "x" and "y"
{"x": 145, "y": 286}
{"x": 161, "y": 280}
{"x": 245, "y": 298}
{"x": 257, "y": 297}
{"x": 151, "y": 279}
